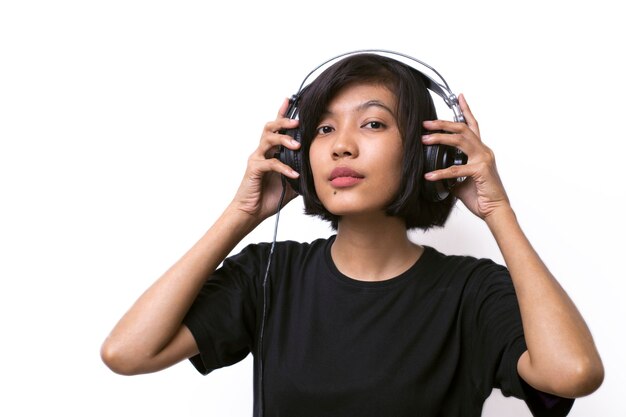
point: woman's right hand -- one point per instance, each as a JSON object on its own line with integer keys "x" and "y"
{"x": 261, "y": 186}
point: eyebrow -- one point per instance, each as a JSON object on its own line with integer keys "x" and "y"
{"x": 373, "y": 103}
{"x": 364, "y": 106}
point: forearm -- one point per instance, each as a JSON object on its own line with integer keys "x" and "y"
{"x": 156, "y": 317}
{"x": 562, "y": 357}
{"x": 150, "y": 336}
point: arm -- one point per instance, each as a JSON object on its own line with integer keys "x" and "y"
{"x": 561, "y": 358}
{"x": 151, "y": 336}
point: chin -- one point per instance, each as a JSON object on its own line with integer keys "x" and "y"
{"x": 354, "y": 201}
{"x": 353, "y": 208}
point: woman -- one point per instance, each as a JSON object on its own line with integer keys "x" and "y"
{"x": 367, "y": 322}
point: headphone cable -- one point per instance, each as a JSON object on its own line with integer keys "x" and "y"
{"x": 266, "y": 300}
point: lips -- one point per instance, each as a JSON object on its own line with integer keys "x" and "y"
{"x": 345, "y": 177}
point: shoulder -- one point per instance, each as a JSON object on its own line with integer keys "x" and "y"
{"x": 462, "y": 264}
{"x": 247, "y": 269}
{"x": 302, "y": 249}
{"x": 472, "y": 279}
{"x": 291, "y": 258}
{"x": 258, "y": 254}
{"x": 285, "y": 247}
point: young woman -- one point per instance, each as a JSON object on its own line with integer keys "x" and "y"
{"x": 367, "y": 322}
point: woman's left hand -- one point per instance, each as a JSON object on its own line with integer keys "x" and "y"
{"x": 482, "y": 191}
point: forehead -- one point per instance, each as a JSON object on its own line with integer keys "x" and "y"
{"x": 354, "y": 96}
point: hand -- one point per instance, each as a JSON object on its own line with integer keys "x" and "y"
{"x": 482, "y": 192}
{"x": 261, "y": 186}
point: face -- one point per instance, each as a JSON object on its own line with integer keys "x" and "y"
{"x": 356, "y": 156}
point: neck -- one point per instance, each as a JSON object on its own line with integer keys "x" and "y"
{"x": 377, "y": 250}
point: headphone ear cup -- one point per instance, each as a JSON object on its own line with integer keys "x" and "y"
{"x": 292, "y": 159}
{"x": 438, "y": 157}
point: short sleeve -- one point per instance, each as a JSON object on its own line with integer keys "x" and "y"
{"x": 222, "y": 319}
{"x": 498, "y": 341}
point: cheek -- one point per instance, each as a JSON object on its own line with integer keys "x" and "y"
{"x": 394, "y": 180}
{"x": 315, "y": 163}
{"x": 392, "y": 161}
{"x": 389, "y": 158}
{"x": 313, "y": 159}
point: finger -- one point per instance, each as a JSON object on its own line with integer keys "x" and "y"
{"x": 445, "y": 125}
{"x": 271, "y": 141}
{"x": 281, "y": 123}
{"x": 283, "y": 108}
{"x": 462, "y": 142}
{"x": 455, "y": 171}
{"x": 262, "y": 166}
{"x": 451, "y": 139}
{"x": 469, "y": 116}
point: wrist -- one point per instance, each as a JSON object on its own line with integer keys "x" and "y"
{"x": 239, "y": 221}
{"x": 501, "y": 217}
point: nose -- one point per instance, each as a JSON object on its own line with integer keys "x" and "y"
{"x": 345, "y": 145}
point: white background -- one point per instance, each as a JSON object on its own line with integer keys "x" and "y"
{"x": 125, "y": 128}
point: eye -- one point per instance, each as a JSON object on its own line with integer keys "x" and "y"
{"x": 374, "y": 125}
{"x": 324, "y": 130}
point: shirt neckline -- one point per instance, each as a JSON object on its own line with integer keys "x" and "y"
{"x": 417, "y": 268}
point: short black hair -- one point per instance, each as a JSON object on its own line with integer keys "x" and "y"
{"x": 414, "y": 106}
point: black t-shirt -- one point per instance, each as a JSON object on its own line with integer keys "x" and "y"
{"x": 433, "y": 341}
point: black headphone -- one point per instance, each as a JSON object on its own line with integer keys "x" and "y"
{"x": 435, "y": 156}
